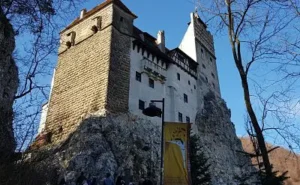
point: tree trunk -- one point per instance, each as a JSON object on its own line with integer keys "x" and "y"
{"x": 8, "y": 87}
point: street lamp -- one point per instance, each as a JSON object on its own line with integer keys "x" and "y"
{"x": 153, "y": 111}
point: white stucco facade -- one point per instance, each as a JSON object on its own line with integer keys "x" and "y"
{"x": 194, "y": 49}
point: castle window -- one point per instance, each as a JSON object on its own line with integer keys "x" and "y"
{"x": 201, "y": 50}
{"x": 141, "y": 105}
{"x": 121, "y": 19}
{"x": 180, "y": 58}
{"x": 188, "y": 120}
{"x": 189, "y": 82}
{"x": 179, "y": 116}
{"x": 151, "y": 83}
{"x": 194, "y": 86}
{"x": 178, "y": 76}
{"x": 138, "y": 76}
{"x": 212, "y": 75}
{"x": 214, "y": 85}
{"x": 185, "y": 98}
{"x": 206, "y": 79}
{"x": 203, "y": 66}
{"x": 210, "y": 59}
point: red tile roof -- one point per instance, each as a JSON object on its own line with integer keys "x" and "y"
{"x": 98, "y": 8}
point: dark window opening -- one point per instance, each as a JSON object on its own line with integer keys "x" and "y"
{"x": 189, "y": 82}
{"x": 151, "y": 83}
{"x": 188, "y": 120}
{"x": 212, "y": 75}
{"x": 138, "y": 76}
{"x": 201, "y": 50}
{"x": 180, "y": 58}
{"x": 178, "y": 76}
{"x": 185, "y": 98}
{"x": 206, "y": 79}
{"x": 121, "y": 19}
{"x": 141, "y": 105}
{"x": 179, "y": 117}
{"x": 210, "y": 59}
{"x": 194, "y": 86}
{"x": 213, "y": 85}
{"x": 203, "y": 66}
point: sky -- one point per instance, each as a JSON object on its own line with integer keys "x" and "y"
{"x": 173, "y": 16}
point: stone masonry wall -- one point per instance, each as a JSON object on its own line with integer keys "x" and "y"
{"x": 81, "y": 79}
{"x": 93, "y": 74}
{"x": 119, "y": 72}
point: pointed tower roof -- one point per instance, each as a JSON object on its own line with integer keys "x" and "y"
{"x": 98, "y": 8}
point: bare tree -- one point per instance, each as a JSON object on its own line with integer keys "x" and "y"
{"x": 35, "y": 24}
{"x": 256, "y": 31}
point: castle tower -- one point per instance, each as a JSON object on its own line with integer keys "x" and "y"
{"x": 198, "y": 43}
{"x": 93, "y": 68}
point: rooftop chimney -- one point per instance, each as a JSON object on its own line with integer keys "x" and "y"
{"x": 82, "y": 13}
{"x": 160, "y": 41}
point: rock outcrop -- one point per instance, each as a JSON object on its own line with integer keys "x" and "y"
{"x": 229, "y": 165}
{"x": 126, "y": 145}
{"x": 8, "y": 86}
{"x": 119, "y": 144}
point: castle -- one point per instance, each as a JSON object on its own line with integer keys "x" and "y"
{"x": 107, "y": 64}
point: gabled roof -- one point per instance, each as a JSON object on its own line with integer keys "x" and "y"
{"x": 98, "y": 8}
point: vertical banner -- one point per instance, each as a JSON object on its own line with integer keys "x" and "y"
{"x": 176, "y": 160}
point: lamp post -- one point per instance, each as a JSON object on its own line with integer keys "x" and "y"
{"x": 153, "y": 111}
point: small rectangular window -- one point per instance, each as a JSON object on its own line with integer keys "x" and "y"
{"x": 185, "y": 97}
{"x": 178, "y": 76}
{"x": 179, "y": 117}
{"x": 121, "y": 19}
{"x": 180, "y": 58}
{"x": 212, "y": 75}
{"x": 189, "y": 82}
{"x": 203, "y": 66}
{"x": 151, "y": 83}
{"x": 214, "y": 85}
{"x": 188, "y": 120}
{"x": 141, "y": 105}
{"x": 138, "y": 76}
{"x": 210, "y": 59}
{"x": 194, "y": 86}
{"x": 206, "y": 79}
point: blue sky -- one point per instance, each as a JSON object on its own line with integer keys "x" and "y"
{"x": 173, "y": 16}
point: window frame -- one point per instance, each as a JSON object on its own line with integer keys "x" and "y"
{"x": 185, "y": 98}
{"x": 141, "y": 102}
{"x": 151, "y": 83}
{"x": 180, "y": 117}
{"x": 138, "y": 76}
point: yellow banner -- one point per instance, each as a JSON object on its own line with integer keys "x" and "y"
{"x": 176, "y": 162}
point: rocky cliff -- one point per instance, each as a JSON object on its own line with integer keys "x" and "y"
{"x": 119, "y": 144}
{"x": 8, "y": 86}
{"x": 126, "y": 145}
{"x": 229, "y": 165}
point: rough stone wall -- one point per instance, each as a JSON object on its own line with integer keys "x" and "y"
{"x": 8, "y": 86}
{"x": 229, "y": 166}
{"x": 90, "y": 76}
{"x": 105, "y": 143}
{"x": 119, "y": 72}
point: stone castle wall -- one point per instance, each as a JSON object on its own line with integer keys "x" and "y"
{"x": 88, "y": 75}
